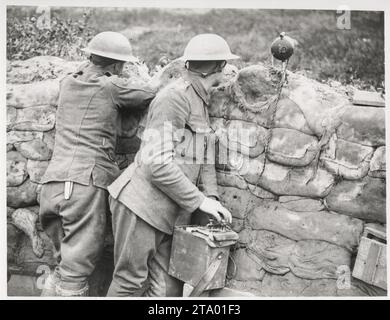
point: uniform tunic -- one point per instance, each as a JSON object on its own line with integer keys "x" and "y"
{"x": 176, "y": 154}
{"x": 86, "y": 125}
{"x": 86, "y": 129}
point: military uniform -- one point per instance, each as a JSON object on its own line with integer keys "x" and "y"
{"x": 83, "y": 161}
{"x": 176, "y": 155}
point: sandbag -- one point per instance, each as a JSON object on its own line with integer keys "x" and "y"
{"x": 339, "y": 229}
{"x": 364, "y": 125}
{"x": 248, "y": 287}
{"x": 11, "y": 117}
{"x": 40, "y": 118}
{"x": 218, "y": 107}
{"x": 236, "y": 163}
{"x": 231, "y": 179}
{"x": 36, "y": 169}
{"x": 49, "y": 67}
{"x": 365, "y": 199}
{"x": 306, "y": 181}
{"x": 27, "y": 261}
{"x": 246, "y": 269}
{"x": 248, "y": 97}
{"x": 26, "y": 220}
{"x": 251, "y": 169}
{"x": 39, "y": 68}
{"x": 237, "y": 224}
{"x": 13, "y": 239}
{"x": 288, "y": 115}
{"x": 36, "y": 149}
{"x": 318, "y": 102}
{"x": 168, "y": 73}
{"x": 292, "y": 148}
{"x": 308, "y": 259}
{"x": 301, "y": 204}
{"x": 289, "y": 285}
{"x": 314, "y": 259}
{"x": 222, "y": 106}
{"x": 260, "y": 192}
{"x": 246, "y": 138}
{"x": 41, "y": 93}
{"x": 378, "y": 163}
{"x": 16, "y": 169}
{"x": 347, "y": 159}
{"x": 137, "y": 73}
{"x": 238, "y": 202}
{"x": 10, "y": 211}
{"x": 229, "y": 73}
{"x": 22, "y": 136}
{"x": 257, "y": 82}
{"x": 49, "y": 139}
{"x": 358, "y": 287}
{"x": 271, "y": 251}
{"x": 22, "y": 196}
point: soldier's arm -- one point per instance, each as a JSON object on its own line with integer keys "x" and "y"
{"x": 168, "y": 115}
{"x": 129, "y": 96}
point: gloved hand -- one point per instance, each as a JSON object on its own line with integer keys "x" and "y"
{"x": 215, "y": 209}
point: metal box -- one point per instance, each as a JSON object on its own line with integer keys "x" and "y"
{"x": 370, "y": 264}
{"x": 193, "y": 250}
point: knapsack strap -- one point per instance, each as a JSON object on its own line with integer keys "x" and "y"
{"x": 207, "y": 276}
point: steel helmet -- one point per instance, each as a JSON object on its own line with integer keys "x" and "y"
{"x": 111, "y": 45}
{"x": 207, "y": 47}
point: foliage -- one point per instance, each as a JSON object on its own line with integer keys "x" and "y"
{"x": 354, "y": 56}
{"x": 25, "y": 39}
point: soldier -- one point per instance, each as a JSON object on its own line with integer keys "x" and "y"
{"x": 74, "y": 197}
{"x": 162, "y": 183}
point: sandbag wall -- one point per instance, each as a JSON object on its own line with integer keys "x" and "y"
{"x": 302, "y": 176}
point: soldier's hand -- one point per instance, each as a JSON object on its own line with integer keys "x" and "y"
{"x": 215, "y": 209}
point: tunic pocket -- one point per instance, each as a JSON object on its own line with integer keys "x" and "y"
{"x": 191, "y": 148}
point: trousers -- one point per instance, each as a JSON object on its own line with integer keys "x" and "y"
{"x": 76, "y": 227}
{"x": 141, "y": 257}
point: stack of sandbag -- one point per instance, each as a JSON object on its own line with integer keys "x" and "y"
{"x": 32, "y": 92}
{"x": 302, "y": 174}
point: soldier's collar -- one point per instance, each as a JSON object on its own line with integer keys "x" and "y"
{"x": 100, "y": 70}
{"x": 200, "y": 89}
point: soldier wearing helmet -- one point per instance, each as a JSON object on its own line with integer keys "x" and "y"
{"x": 74, "y": 197}
{"x": 173, "y": 175}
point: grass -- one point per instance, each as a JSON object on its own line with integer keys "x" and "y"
{"x": 354, "y": 56}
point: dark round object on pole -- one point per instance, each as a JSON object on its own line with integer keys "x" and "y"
{"x": 282, "y": 48}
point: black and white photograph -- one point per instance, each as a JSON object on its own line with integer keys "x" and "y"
{"x": 219, "y": 150}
